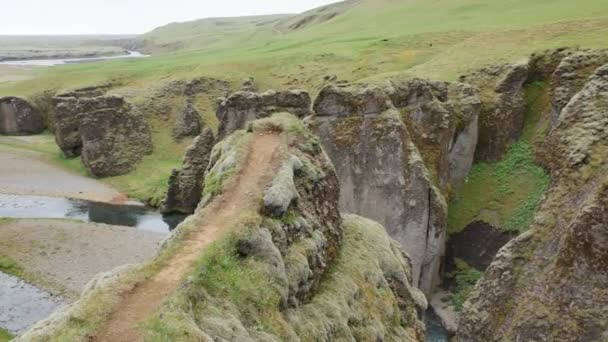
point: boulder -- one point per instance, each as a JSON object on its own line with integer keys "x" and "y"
{"x": 65, "y": 116}
{"x": 501, "y": 118}
{"x": 115, "y": 136}
{"x": 109, "y": 134}
{"x": 188, "y": 123}
{"x": 241, "y": 107}
{"x": 185, "y": 185}
{"x": 18, "y": 117}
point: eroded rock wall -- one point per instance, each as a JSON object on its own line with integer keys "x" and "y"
{"x": 549, "y": 283}
{"x": 186, "y": 185}
{"x": 241, "y": 107}
{"x": 382, "y": 140}
{"x": 501, "y": 118}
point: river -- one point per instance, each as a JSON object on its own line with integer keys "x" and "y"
{"x": 130, "y": 215}
{"x": 53, "y": 62}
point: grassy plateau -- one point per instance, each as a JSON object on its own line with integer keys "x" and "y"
{"x": 361, "y": 40}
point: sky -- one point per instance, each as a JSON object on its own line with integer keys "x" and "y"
{"x": 54, "y": 17}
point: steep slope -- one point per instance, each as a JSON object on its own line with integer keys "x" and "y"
{"x": 549, "y": 283}
{"x": 267, "y": 257}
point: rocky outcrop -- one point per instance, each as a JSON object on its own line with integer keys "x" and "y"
{"x": 18, "y": 117}
{"x": 109, "y": 134}
{"x": 379, "y": 138}
{"x": 186, "y": 185}
{"x": 188, "y": 123}
{"x": 249, "y": 85}
{"x": 501, "y": 118}
{"x": 570, "y": 76}
{"x": 241, "y": 107}
{"x": 293, "y": 269}
{"x": 549, "y": 283}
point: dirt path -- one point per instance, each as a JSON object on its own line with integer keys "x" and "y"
{"x": 25, "y": 172}
{"x": 224, "y": 212}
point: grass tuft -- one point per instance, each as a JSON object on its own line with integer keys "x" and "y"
{"x": 465, "y": 277}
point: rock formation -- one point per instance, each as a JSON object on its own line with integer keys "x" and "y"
{"x": 110, "y": 134}
{"x": 188, "y": 122}
{"x": 18, "y": 117}
{"x": 549, "y": 283}
{"x": 186, "y": 185}
{"x": 241, "y": 107}
{"x": 298, "y": 269}
{"x": 249, "y": 85}
{"x": 381, "y": 139}
{"x": 502, "y": 107}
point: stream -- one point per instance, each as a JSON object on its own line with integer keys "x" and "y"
{"x": 53, "y": 62}
{"x": 130, "y": 215}
{"x": 22, "y": 304}
{"x": 435, "y": 332}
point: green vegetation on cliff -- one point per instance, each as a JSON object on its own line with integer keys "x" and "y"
{"x": 505, "y": 194}
{"x": 464, "y": 277}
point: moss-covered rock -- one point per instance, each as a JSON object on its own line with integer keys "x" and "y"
{"x": 110, "y": 134}
{"x": 548, "y": 284}
{"x": 235, "y": 111}
{"x": 186, "y": 185}
{"x": 502, "y": 107}
{"x": 391, "y": 145}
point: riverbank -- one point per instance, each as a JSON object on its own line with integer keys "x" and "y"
{"x": 25, "y": 172}
{"x": 62, "y": 256}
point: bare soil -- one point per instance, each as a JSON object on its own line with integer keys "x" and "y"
{"x": 25, "y": 173}
{"x": 65, "y": 255}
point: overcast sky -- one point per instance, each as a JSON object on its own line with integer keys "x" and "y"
{"x": 128, "y": 16}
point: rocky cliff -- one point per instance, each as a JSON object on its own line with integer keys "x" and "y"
{"x": 186, "y": 185}
{"x": 109, "y": 133}
{"x": 549, "y": 283}
{"x": 288, "y": 266}
{"x": 394, "y": 147}
{"x": 18, "y": 117}
{"x": 236, "y": 110}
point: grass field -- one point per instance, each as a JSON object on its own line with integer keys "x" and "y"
{"x": 366, "y": 40}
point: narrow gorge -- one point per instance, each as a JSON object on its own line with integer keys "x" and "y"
{"x": 311, "y": 177}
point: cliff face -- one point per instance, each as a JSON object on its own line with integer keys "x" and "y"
{"x": 236, "y": 110}
{"x": 288, "y": 265}
{"x": 394, "y": 148}
{"x": 549, "y": 283}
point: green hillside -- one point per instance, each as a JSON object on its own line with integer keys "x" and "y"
{"x": 356, "y": 40}
{"x": 439, "y": 39}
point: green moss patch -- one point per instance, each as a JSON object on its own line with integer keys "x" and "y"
{"x": 504, "y": 194}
